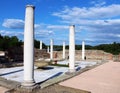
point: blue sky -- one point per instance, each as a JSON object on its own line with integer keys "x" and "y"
{"x": 96, "y": 21}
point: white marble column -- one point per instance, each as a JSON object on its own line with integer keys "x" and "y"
{"x": 51, "y": 49}
{"x": 63, "y": 50}
{"x": 40, "y": 45}
{"x": 48, "y": 49}
{"x": 83, "y": 50}
{"x": 72, "y": 49}
{"x": 29, "y": 47}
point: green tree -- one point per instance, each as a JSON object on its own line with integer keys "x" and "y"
{"x": 37, "y": 44}
{"x": 7, "y": 42}
{"x": 14, "y": 41}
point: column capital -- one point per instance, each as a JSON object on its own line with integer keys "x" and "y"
{"x": 30, "y": 6}
{"x": 72, "y": 25}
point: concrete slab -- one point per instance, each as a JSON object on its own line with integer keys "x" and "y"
{"x": 102, "y": 79}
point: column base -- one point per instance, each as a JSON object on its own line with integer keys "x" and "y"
{"x": 26, "y": 89}
{"x": 63, "y": 58}
{"x": 71, "y": 71}
{"x": 28, "y": 83}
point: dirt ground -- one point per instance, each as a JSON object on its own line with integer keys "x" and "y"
{"x": 61, "y": 89}
{"x": 3, "y": 89}
{"x": 54, "y": 89}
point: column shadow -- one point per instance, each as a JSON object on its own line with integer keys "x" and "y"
{"x": 11, "y": 72}
{"x": 57, "y": 74}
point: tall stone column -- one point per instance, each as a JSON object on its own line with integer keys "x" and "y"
{"x": 63, "y": 50}
{"x": 29, "y": 47}
{"x": 83, "y": 50}
{"x": 40, "y": 45}
{"x": 51, "y": 49}
{"x": 72, "y": 49}
{"x": 48, "y": 49}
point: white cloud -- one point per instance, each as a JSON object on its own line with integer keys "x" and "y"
{"x": 33, "y": 2}
{"x": 18, "y": 24}
{"x": 57, "y": 27}
{"x": 47, "y": 31}
{"x": 88, "y": 13}
{"x": 41, "y": 31}
{"x": 98, "y": 3}
{"x": 19, "y": 34}
{"x": 44, "y": 33}
{"x": 13, "y": 23}
{"x": 94, "y": 24}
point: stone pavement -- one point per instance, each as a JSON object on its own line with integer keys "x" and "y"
{"x": 12, "y": 84}
{"x": 102, "y": 79}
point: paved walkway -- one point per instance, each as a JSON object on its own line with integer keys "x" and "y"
{"x": 102, "y": 79}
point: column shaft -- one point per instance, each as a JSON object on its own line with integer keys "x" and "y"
{"x": 48, "y": 49}
{"x": 29, "y": 47}
{"x": 72, "y": 49}
{"x": 51, "y": 49}
{"x": 63, "y": 50}
{"x": 40, "y": 45}
{"x": 83, "y": 50}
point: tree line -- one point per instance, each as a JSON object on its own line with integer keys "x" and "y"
{"x": 9, "y": 42}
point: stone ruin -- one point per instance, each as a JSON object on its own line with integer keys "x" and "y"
{"x": 90, "y": 55}
{"x": 41, "y": 54}
{"x": 14, "y": 56}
